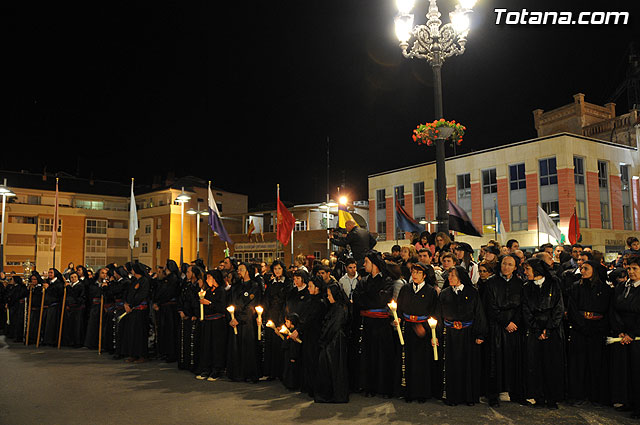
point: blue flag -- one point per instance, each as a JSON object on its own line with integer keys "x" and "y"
{"x": 405, "y": 222}
{"x": 214, "y": 219}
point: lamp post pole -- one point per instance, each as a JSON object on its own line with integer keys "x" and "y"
{"x": 5, "y": 191}
{"x": 435, "y": 42}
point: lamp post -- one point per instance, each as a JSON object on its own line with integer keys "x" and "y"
{"x": 329, "y": 204}
{"x": 4, "y": 191}
{"x": 197, "y": 212}
{"x": 182, "y": 198}
{"x": 435, "y": 42}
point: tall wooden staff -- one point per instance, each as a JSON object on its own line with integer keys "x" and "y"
{"x": 40, "y": 318}
{"x": 100, "y": 330}
{"x": 64, "y": 300}
{"x": 26, "y": 341}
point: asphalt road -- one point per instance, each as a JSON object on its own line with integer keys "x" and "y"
{"x": 44, "y": 385}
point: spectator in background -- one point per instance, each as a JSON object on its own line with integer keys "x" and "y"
{"x": 513, "y": 245}
{"x": 576, "y": 250}
{"x": 634, "y": 249}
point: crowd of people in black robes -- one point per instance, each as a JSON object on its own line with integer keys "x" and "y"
{"x": 539, "y": 328}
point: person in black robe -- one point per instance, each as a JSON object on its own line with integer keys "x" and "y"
{"x": 292, "y": 354}
{"x": 543, "y": 310}
{"x": 465, "y": 329}
{"x": 188, "y": 310}
{"x": 242, "y": 354}
{"x": 588, "y": 302}
{"x": 416, "y": 303}
{"x": 505, "y": 348}
{"x": 274, "y": 300}
{"x": 298, "y": 294}
{"x": 114, "y": 295}
{"x": 52, "y": 304}
{"x": 331, "y": 384}
{"x": 73, "y": 325}
{"x": 36, "y": 285}
{"x": 372, "y": 294}
{"x": 95, "y": 292}
{"x": 625, "y": 355}
{"x": 212, "y": 333}
{"x": 17, "y": 297}
{"x": 165, "y": 305}
{"x": 311, "y": 315}
{"x": 135, "y": 340}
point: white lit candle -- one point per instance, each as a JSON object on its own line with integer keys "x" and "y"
{"x": 394, "y": 310}
{"x": 259, "y": 310}
{"x": 231, "y": 309}
{"x": 432, "y": 323}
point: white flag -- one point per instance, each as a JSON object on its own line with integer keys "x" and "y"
{"x": 133, "y": 219}
{"x": 548, "y": 226}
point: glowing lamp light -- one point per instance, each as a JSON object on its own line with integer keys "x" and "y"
{"x": 459, "y": 21}
{"x": 405, "y": 6}
{"x": 403, "y": 26}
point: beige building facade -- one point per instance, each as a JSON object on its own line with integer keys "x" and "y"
{"x": 584, "y": 158}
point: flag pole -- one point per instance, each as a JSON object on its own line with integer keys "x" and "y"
{"x": 55, "y": 226}
{"x": 495, "y": 226}
{"x": 130, "y": 244}
{"x": 292, "y": 245}
{"x": 208, "y": 235}
{"x": 538, "y": 221}
{"x": 277, "y": 204}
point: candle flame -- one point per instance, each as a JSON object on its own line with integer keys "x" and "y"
{"x": 259, "y": 309}
{"x": 270, "y": 324}
{"x": 392, "y": 305}
{"x": 231, "y": 309}
{"x": 432, "y": 322}
{"x": 284, "y": 330}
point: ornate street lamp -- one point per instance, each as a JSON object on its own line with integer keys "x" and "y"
{"x": 435, "y": 41}
{"x": 198, "y": 212}
{"x": 182, "y": 199}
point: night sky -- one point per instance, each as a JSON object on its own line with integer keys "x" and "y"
{"x": 246, "y": 93}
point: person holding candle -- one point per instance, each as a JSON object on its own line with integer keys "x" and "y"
{"x": 274, "y": 304}
{"x": 212, "y": 332}
{"x": 416, "y": 303}
{"x": 292, "y": 354}
{"x": 506, "y": 344}
{"x": 372, "y": 295}
{"x": 464, "y": 330}
{"x": 588, "y": 304}
{"x": 625, "y": 355}
{"x": 166, "y": 307}
{"x": 332, "y": 374}
{"x": 543, "y": 310}
{"x": 242, "y": 353}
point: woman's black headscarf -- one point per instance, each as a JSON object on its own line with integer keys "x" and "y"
{"x": 376, "y": 258}
{"x": 338, "y": 294}
{"x": 463, "y": 276}
{"x": 539, "y": 267}
{"x": 139, "y": 268}
{"x": 172, "y": 266}
{"x": 217, "y": 276}
{"x": 17, "y": 280}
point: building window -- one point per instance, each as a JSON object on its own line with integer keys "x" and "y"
{"x": 489, "y": 181}
{"x": 604, "y": 213}
{"x": 489, "y": 216}
{"x": 381, "y": 203}
{"x": 97, "y": 227}
{"x": 89, "y": 205}
{"x": 399, "y": 194}
{"x": 44, "y": 243}
{"x": 552, "y": 208}
{"x": 624, "y": 176}
{"x": 464, "y": 192}
{"x": 300, "y": 225}
{"x": 46, "y": 225}
{"x": 548, "y": 172}
{"x": 517, "y": 177}
{"x": 581, "y": 212}
{"x": 382, "y": 230}
{"x": 158, "y": 245}
{"x": 519, "y": 220}
{"x": 96, "y": 246}
{"x": 24, "y": 220}
{"x": 578, "y": 170}
{"x": 144, "y": 248}
{"x": 602, "y": 175}
{"x": 418, "y": 193}
{"x": 147, "y": 228}
{"x": 34, "y": 200}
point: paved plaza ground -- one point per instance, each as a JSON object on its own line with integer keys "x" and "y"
{"x": 47, "y": 386}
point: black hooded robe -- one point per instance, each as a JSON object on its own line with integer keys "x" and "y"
{"x": 242, "y": 354}
{"x": 135, "y": 341}
{"x": 212, "y": 334}
{"x": 166, "y": 297}
{"x": 332, "y": 373}
{"x": 464, "y": 321}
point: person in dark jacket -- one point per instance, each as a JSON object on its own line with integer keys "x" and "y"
{"x": 542, "y": 311}
{"x": 359, "y": 239}
{"x": 136, "y": 325}
{"x": 165, "y": 304}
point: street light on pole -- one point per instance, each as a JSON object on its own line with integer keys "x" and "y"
{"x": 5, "y": 192}
{"x": 435, "y": 42}
{"x": 197, "y": 212}
{"x": 182, "y": 198}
